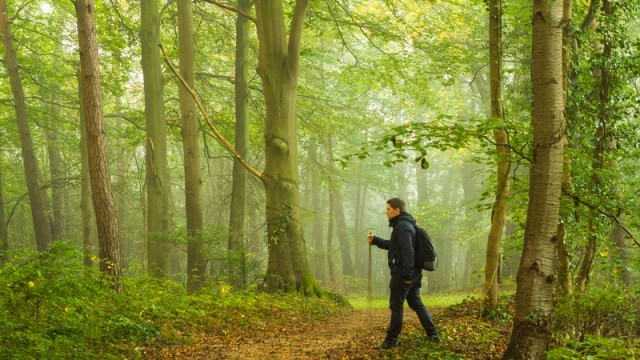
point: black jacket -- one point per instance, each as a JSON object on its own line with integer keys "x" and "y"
{"x": 400, "y": 246}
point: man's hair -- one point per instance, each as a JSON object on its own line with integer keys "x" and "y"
{"x": 396, "y": 204}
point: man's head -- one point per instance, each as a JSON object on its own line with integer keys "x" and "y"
{"x": 394, "y": 207}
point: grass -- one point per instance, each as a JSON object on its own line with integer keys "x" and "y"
{"x": 430, "y": 300}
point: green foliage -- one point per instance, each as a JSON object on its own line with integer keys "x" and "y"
{"x": 54, "y": 307}
{"x": 50, "y": 304}
{"x": 608, "y": 311}
{"x": 443, "y": 133}
{"x": 597, "y": 348}
{"x": 465, "y": 335}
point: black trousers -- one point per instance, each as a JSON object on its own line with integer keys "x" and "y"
{"x": 411, "y": 293}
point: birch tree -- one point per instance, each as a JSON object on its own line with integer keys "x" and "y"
{"x": 534, "y": 294}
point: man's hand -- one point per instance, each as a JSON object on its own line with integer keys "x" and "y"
{"x": 408, "y": 282}
{"x": 370, "y": 239}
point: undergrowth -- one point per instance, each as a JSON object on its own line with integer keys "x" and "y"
{"x": 601, "y": 323}
{"x": 52, "y": 306}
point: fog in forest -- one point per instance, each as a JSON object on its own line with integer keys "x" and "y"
{"x": 204, "y": 148}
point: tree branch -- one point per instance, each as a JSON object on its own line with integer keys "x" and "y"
{"x": 295, "y": 35}
{"x": 344, "y": 41}
{"x": 219, "y": 136}
{"x": 615, "y": 219}
{"x": 231, "y": 8}
{"x": 588, "y": 20}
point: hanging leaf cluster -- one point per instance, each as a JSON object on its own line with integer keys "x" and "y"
{"x": 443, "y": 133}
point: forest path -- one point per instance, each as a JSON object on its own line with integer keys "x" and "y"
{"x": 351, "y": 335}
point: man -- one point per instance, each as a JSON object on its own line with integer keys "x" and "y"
{"x": 406, "y": 278}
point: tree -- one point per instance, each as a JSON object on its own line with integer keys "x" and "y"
{"x": 359, "y": 257}
{"x": 85, "y": 181}
{"x": 564, "y": 279}
{"x": 338, "y": 210}
{"x": 41, "y": 222}
{"x": 236, "y": 240}
{"x": 56, "y": 168}
{"x": 602, "y": 144}
{"x": 534, "y": 295}
{"x": 157, "y": 178}
{"x": 196, "y": 261}
{"x": 492, "y": 266}
{"x": 103, "y": 202}
{"x": 331, "y": 225}
{"x": 4, "y": 238}
{"x": 318, "y": 255}
{"x": 278, "y": 64}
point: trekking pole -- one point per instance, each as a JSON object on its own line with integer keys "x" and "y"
{"x": 369, "y": 287}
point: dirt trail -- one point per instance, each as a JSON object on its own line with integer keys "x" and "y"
{"x": 353, "y": 335}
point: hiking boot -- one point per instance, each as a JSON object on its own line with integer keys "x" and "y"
{"x": 389, "y": 343}
{"x": 434, "y": 338}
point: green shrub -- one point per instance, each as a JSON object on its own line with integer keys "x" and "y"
{"x": 48, "y": 302}
{"x": 53, "y": 307}
{"x": 601, "y": 311}
{"x": 597, "y": 324}
{"x": 597, "y": 348}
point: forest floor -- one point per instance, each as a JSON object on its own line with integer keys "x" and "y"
{"x": 352, "y": 334}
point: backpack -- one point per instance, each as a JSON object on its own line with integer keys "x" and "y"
{"x": 425, "y": 256}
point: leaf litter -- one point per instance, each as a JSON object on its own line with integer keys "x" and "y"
{"x": 349, "y": 334}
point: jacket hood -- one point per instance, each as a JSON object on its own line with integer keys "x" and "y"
{"x": 403, "y": 216}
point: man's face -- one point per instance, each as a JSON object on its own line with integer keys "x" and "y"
{"x": 391, "y": 212}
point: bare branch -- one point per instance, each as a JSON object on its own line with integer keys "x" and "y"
{"x": 231, "y": 8}
{"x": 219, "y": 136}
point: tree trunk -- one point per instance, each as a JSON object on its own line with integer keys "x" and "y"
{"x": 401, "y": 170}
{"x": 278, "y": 63}
{"x": 469, "y": 188}
{"x": 319, "y": 254}
{"x": 41, "y": 223}
{"x": 86, "y": 214}
{"x": 104, "y": 205}
{"x": 58, "y": 182}
{"x": 534, "y": 295}
{"x": 338, "y": 211}
{"x": 341, "y": 224}
{"x": 360, "y": 253}
{"x": 120, "y": 192}
{"x": 441, "y": 280}
{"x": 158, "y": 185}
{"x": 564, "y": 279}
{"x": 196, "y": 260}
{"x": 236, "y": 241}
{"x": 422, "y": 186}
{"x": 4, "y": 236}
{"x": 492, "y": 265}
{"x": 621, "y": 249}
{"x": 330, "y": 237}
{"x": 599, "y": 152}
